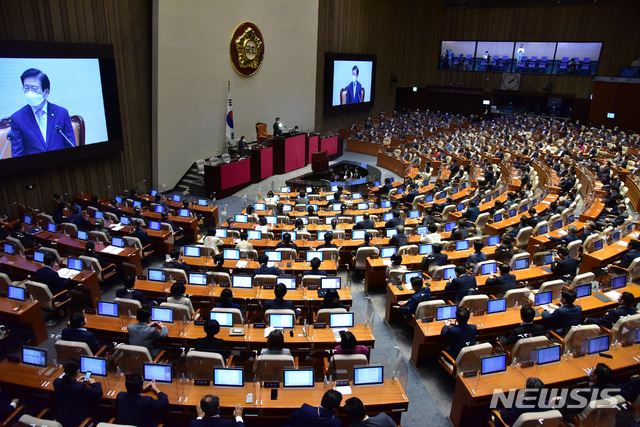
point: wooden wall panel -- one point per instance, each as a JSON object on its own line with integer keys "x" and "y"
{"x": 406, "y": 34}
{"x": 127, "y": 26}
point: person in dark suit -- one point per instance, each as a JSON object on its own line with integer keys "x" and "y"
{"x": 279, "y": 302}
{"x": 366, "y": 223}
{"x": 527, "y": 328}
{"x": 589, "y": 229}
{"x": 76, "y": 398}
{"x": 328, "y": 237}
{"x": 434, "y": 259}
{"x": 563, "y": 264}
{"x": 420, "y": 293}
{"x": 264, "y": 268}
{"x": 399, "y": 239}
{"x": 357, "y": 412}
{"x": 39, "y": 126}
{"x": 626, "y": 308}
{"x": 472, "y": 212}
{"x": 634, "y": 252}
{"x": 210, "y": 343}
{"x": 409, "y": 195}
{"x": 354, "y": 89}
{"x": 50, "y": 277}
{"x": 277, "y": 127}
{"x": 226, "y": 300}
{"x": 16, "y": 233}
{"x": 176, "y": 261}
{"x": 315, "y": 268}
{"x": 286, "y": 242}
{"x": 567, "y": 315}
{"x": 323, "y": 415}
{"x": 461, "y": 232}
{"x": 145, "y": 333}
{"x": 395, "y": 221}
{"x": 127, "y": 291}
{"x": 533, "y": 386}
{"x": 136, "y": 409}
{"x": 208, "y": 411}
{"x": 242, "y": 144}
{"x": 505, "y": 281}
{"x": 76, "y": 218}
{"x": 571, "y": 237}
{"x": 76, "y": 331}
{"x": 91, "y": 252}
{"x": 388, "y": 186}
{"x": 459, "y": 335}
{"x": 139, "y": 232}
{"x": 463, "y": 284}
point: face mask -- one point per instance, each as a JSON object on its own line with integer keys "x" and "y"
{"x": 34, "y": 99}
{"x": 354, "y": 78}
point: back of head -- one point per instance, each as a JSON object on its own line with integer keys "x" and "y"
{"x": 218, "y": 259}
{"x": 286, "y": 237}
{"x": 504, "y": 269}
{"x": 143, "y": 315}
{"x": 210, "y": 405}
{"x": 133, "y": 384}
{"x": 396, "y": 259}
{"x": 437, "y": 248}
{"x": 280, "y": 290}
{"x": 178, "y": 288}
{"x": 462, "y": 222}
{"x": 563, "y": 250}
{"x": 462, "y": 315}
{"x": 328, "y": 237}
{"x": 174, "y": 254}
{"x": 226, "y": 296}
{"x": 433, "y": 228}
{"x": 627, "y": 299}
{"x": 49, "y": 258}
{"x": 348, "y": 341}
{"x": 400, "y": 229}
{"x": 70, "y": 371}
{"x": 478, "y": 245}
{"x": 331, "y": 400}
{"x": 275, "y": 340}
{"x": 527, "y": 313}
{"x": 603, "y": 374}
{"x": 77, "y": 319}
{"x": 263, "y": 259}
{"x": 211, "y": 327}
{"x": 243, "y": 235}
{"x": 634, "y": 244}
{"x": 534, "y": 383}
{"x": 355, "y": 409}
{"x": 128, "y": 280}
{"x": 569, "y": 295}
{"x": 460, "y": 270}
{"x": 416, "y": 283}
{"x": 315, "y": 263}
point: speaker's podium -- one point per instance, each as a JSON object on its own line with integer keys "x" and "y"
{"x": 319, "y": 162}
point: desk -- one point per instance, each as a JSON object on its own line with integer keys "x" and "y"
{"x": 28, "y": 317}
{"x": 542, "y": 242}
{"x": 363, "y": 147}
{"x": 292, "y": 266}
{"x": 500, "y": 227}
{"x": 606, "y": 255}
{"x": 397, "y": 166}
{"x": 188, "y": 224}
{"x": 226, "y": 179}
{"x": 473, "y": 395}
{"x": 289, "y": 151}
{"x": 261, "y": 163}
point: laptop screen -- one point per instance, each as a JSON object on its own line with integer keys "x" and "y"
{"x": 52, "y": 228}
{"x": 203, "y": 202}
{"x": 281, "y": 321}
{"x": 493, "y": 363}
{"x": 497, "y": 217}
{"x": 137, "y": 204}
{"x": 618, "y": 282}
{"x": 38, "y": 256}
{"x": 385, "y": 204}
{"x": 356, "y": 234}
{"x": 274, "y": 256}
{"x": 242, "y": 219}
{"x": 221, "y": 232}
{"x": 496, "y": 305}
{"x": 260, "y": 206}
{"x": 336, "y": 207}
{"x": 460, "y": 207}
{"x": 159, "y": 208}
{"x": 288, "y": 281}
{"x": 322, "y": 233}
{"x": 409, "y": 275}
{"x": 198, "y": 279}
{"x": 400, "y": 190}
{"x": 107, "y": 309}
{"x": 328, "y": 197}
{"x": 543, "y": 229}
{"x": 598, "y": 344}
{"x": 156, "y": 275}
{"x": 428, "y": 198}
{"x": 583, "y": 290}
{"x": 598, "y": 244}
{"x": 387, "y": 216}
{"x": 615, "y": 236}
{"x": 391, "y": 232}
{"x": 298, "y": 377}
{"x": 442, "y": 195}
{"x": 83, "y": 235}
{"x": 489, "y": 268}
{"x": 176, "y": 198}
{"x": 74, "y": 264}
{"x": 185, "y": 213}
{"x": 155, "y": 225}
{"x": 314, "y": 254}
{"x": 162, "y": 315}
{"x": 363, "y": 206}
{"x": 243, "y": 282}
{"x": 425, "y": 249}
{"x": 368, "y": 375}
{"x": 158, "y": 372}
{"x": 422, "y": 230}
{"x": 547, "y": 259}
{"x": 125, "y": 220}
{"x": 34, "y": 356}
{"x": 224, "y": 319}
{"x": 228, "y": 377}
{"x": 330, "y": 283}
{"x": 513, "y": 212}
{"x": 548, "y": 354}
{"x": 449, "y": 226}
{"x": 446, "y": 312}
{"x": 521, "y": 264}
{"x": 254, "y": 235}
{"x": 462, "y": 245}
{"x": 231, "y": 254}
{"x": 117, "y": 242}
{"x": 493, "y": 241}
{"x": 27, "y": 219}
{"x": 192, "y": 251}
{"x": 449, "y": 273}
{"x": 524, "y": 208}
{"x": 414, "y": 214}
{"x": 388, "y": 251}
{"x": 95, "y": 365}
{"x": 286, "y": 189}
{"x": 118, "y": 200}
{"x": 543, "y": 298}
{"x": 559, "y": 224}
{"x": 16, "y": 293}
{"x": 9, "y": 249}
{"x": 341, "y": 320}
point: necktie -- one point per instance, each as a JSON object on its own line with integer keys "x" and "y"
{"x": 41, "y": 123}
{"x": 355, "y": 86}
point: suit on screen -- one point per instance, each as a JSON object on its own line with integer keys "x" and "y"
{"x": 27, "y": 137}
{"x": 353, "y": 98}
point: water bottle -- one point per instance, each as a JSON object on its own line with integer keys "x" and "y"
{"x": 259, "y": 193}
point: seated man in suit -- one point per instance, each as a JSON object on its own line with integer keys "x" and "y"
{"x": 279, "y": 302}
{"x": 76, "y": 331}
{"x": 357, "y": 412}
{"x": 505, "y": 281}
{"x": 302, "y": 199}
{"x": 208, "y": 411}
{"x": 534, "y": 386}
{"x": 328, "y": 237}
{"x": 76, "y": 218}
{"x": 39, "y": 126}
{"x": 48, "y": 276}
{"x": 16, "y": 233}
{"x": 565, "y": 316}
{"x": 409, "y": 195}
{"x": 472, "y": 212}
{"x": 572, "y": 236}
{"x": 463, "y": 284}
{"x": 388, "y": 186}
{"x": 523, "y": 223}
{"x": 264, "y": 268}
{"x": 365, "y": 224}
{"x": 626, "y": 308}
{"x": 136, "y": 409}
{"x": 286, "y": 242}
{"x": 420, "y": 293}
{"x": 589, "y": 229}
{"x": 176, "y": 261}
{"x": 527, "y": 328}
{"x": 563, "y": 265}
{"x": 434, "y": 259}
{"x": 399, "y": 239}
{"x": 460, "y": 334}
{"x": 139, "y": 232}
{"x": 323, "y": 415}
{"x": 315, "y": 268}
{"x": 127, "y": 290}
{"x": 634, "y": 252}
{"x": 76, "y": 398}
{"x": 145, "y": 333}
{"x": 210, "y": 343}
{"x": 461, "y": 232}
{"x": 395, "y": 221}
{"x": 91, "y": 252}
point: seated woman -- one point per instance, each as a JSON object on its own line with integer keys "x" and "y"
{"x": 275, "y": 345}
{"x": 349, "y": 345}
{"x": 226, "y": 300}
{"x": 396, "y": 264}
{"x": 177, "y": 296}
{"x": 331, "y": 299}
{"x": 211, "y": 241}
{"x": 210, "y": 343}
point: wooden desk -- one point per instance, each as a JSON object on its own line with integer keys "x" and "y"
{"x": 543, "y": 241}
{"x": 500, "y": 227}
{"x": 606, "y": 255}
{"x": 202, "y": 263}
{"x": 26, "y": 382}
{"x": 28, "y": 317}
{"x": 473, "y": 395}
{"x": 363, "y": 147}
{"x": 397, "y": 166}
{"x": 188, "y": 224}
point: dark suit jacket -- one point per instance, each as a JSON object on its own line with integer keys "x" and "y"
{"x": 216, "y": 422}
{"x": 472, "y": 214}
{"x": 277, "y": 128}
{"x": 459, "y": 336}
{"x": 177, "y": 264}
{"x": 434, "y": 260}
{"x": 279, "y": 304}
{"x": 566, "y": 266}
{"x": 462, "y": 285}
{"x": 141, "y": 234}
{"x": 51, "y": 278}
{"x": 423, "y": 294}
{"x": 398, "y": 240}
{"x": 81, "y": 222}
{"x": 139, "y": 410}
{"x": 75, "y": 403}
{"x": 564, "y": 317}
{"x": 628, "y": 258}
{"x": 504, "y": 283}
{"x": 351, "y": 98}
{"x": 27, "y": 137}
{"x": 132, "y": 294}
{"x": 313, "y": 416}
{"x": 393, "y": 222}
{"x": 524, "y": 331}
{"x": 98, "y": 257}
{"x": 82, "y": 335}
{"x": 211, "y": 344}
{"x": 364, "y": 225}
{"x": 264, "y": 269}
{"x": 612, "y": 316}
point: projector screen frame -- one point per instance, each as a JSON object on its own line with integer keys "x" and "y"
{"x": 329, "y": 60}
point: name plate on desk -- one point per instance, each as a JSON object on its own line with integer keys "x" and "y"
{"x": 199, "y": 322}
{"x": 469, "y": 374}
{"x": 527, "y": 364}
{"x": 299, "y": 259}
{"x": 201, "y": 382}
{"x": 427, "y": 319}
{"x": 271, "y": 384}
{"x": 141, "y": 277}
{"x": 90, "y": 310}
{"x": 312, "y": 287}
{"x": 259, "y": 325}
{"x": 320, "y": 325}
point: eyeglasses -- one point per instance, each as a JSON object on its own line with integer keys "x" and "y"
{"x": 27, "y": 88}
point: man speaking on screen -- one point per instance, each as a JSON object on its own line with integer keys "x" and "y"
{"x": 40, "y": 125}
{"x": 354, "y": 89}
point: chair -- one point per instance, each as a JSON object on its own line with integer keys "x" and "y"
{"x": 261, "y": 132}
{"x": 536, "y": 230}
{"x": 324, "y": 314}
{"x": 130, "y": 358}
{"x": 226, "y": 158}
{"x": 522, "y": 238}
{"x": 633, "y": 271}
{"x": 271, "y": 311}
{"x": 343, "y": 365}
{"x": 218, "y": 277}
{"x": 200, "y": 166}
{"x": 271, "y": 367}
{"x": 98, "y": 236}
{"x": 331, "y": 254}
{"x": 127, "y": 306}
{"x": 359, "y": 262}
{"x": 523, "y": 348}
{"x": 20, "y": 249}
{"x": 265, "y": 280}
{"x": 52, "y": 251}
{"x": 468, "y": 359}
{"x": 551, "y": 418}
{"x": 624, "y": 329}
{"x": 582, "y": 279}
{"x": 66, "y": 350}
{"x": 416, "y": 201}
{"x": 43, "y": 295}
{"x": 303, "y": 235}
{"x": 176, "y": 274}
{"x": 68, "y": 228}
{"x": 39, "y": 420}
{"x": 288, "y": 253}
{"x": 181, "y": 311}
{"x": 481, "y": 222}
{"x": 475, "y": 303}
{"x": 5, "y": 282}
{"x": 428, "y": 308}
{"x": 93, "y": 264}
{"x": 395, "y": 275}
{"x": 408, "y": 250}
{"x": 134, "y": 242}
{"x": 555, "y": 286}
{"x": 447, "y": 210}
{"x": 519, "y": 296}
{"x": 44, "y": 219}
{"x": 438, "y": 271}
{"x": 201, "y": 363}
{"x": 574, "y": 248}
{"x": 516, "y": 257}
{"x": 249, "y": 254}
{"x": 573, "y": 342}
{"x": 599, "y": 413}
{"x": 77, "y": 123}
{"x": 237, "y": 318}
{"x": 311, "y": 280}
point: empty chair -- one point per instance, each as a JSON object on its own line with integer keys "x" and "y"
{"x": 540, "y": 225}
{"x": 395, "y": 275}
{"x": 127, "y": 306}
{"x": 218, "y": 277}
{"x": 311, "y": 280}
{"x": 130, "y": 358}
{"x": 41, "y": 293}
{"x": 44, "y": 219}
{"x": 481, "y": 222}
{"x": 98, "y": 236}
{"x": 438, "y": 271}
{"x": 524, "y": 349}
{"x": 275, "y": 311}
{"x": 39, "y": 421}
{"x": 288, "y": 253}
{"x": 555, "y": 286}
{"x": 19, "y": 247}
{"x": 330, "y": 254}
{"x": 516, "y": 257}
{"x": 5, "y": 282}
{"x": 66, "y": 350}
{"x": 522, "y": 238}
{"x": 360, "y": 259}
{"x": 134, "y": 242}
{"x": 551, "y": 418}
{"x": 574, "y": 341}
{"x": 582, "y": 279}
{"x": 201, "y": 363}
{"x": 517, "y": 296}
{"x": 342, "y": 365}
{"x": 181, "y": 311}
{"x": 468, "y": 359}
{"x": 271, "y": 367}
{"x": 475, "y": 303}
{"x": 265, "y": 280}
{"x": 175, "y": 274}
{"x": 68, "y": 228}
{"x": 624, "y": 329}
{"x": 92, "y": 264}
{"x": 324, "y": 314}
{"x": 408, "y": 250}
{"x": 428, "y": 308}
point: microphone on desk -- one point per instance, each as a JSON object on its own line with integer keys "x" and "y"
{"x": 6, "y": 144}
{"x": 59, "y": 130}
